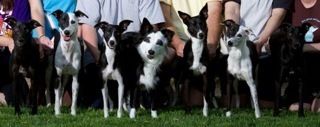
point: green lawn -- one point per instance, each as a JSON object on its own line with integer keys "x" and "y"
{"x": 167, "y": 118}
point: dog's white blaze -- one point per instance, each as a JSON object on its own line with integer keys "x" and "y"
{"x": 151, "y": 65}
{"x": 197, "y": 49}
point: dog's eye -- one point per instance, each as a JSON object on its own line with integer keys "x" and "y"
{"x": 239, "y": 35}
{"x": 73, "y": 22}
{"x": 159, "y": 43}
{"x": 147, "y": 39}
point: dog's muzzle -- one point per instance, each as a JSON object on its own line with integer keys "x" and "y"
{"x": 150, "y": 54}
{"x": 230, "y": 43}
{"x": 67, "y": 35}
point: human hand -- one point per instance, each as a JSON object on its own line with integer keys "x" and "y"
{"x": 46, "y": 42}
{"x": 10, "y": 44}
{"x": 179, "y": 49}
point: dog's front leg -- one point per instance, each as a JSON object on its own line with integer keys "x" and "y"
{"x": 206, "y": 95}
{"x": 254, "y": 97}
{"x": 75, "y": 88}
{"x": 134, "y": 100}
{"x": 35, "y": 81}
{"x": 230, "y": 80}
{"x": 120, "y": 93}
{"x": 278, "y": 82}
{"x": 17, "y": 80}
{"x": 58, "y": 95}
{"x": 104, "y": 91}
{"x": 153, "y": 97}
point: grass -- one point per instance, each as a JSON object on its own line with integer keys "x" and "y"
{"x": 167, "y": 118}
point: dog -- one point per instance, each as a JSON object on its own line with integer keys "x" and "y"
{"x": 67, "y": 59}
{"x": 196, "y": 69}
{"x": 286, "y": 46}
{"x": 242, "y": 60}
{"x": 109, "y": 60}
{"x": 152, "y": 50}
{"x": 25, "y": 61}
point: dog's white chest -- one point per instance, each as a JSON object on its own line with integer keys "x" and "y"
{"x": 110, "y": 72}
{"x": 197, "y": 50}
{"x": 68, "y": 57}
{"x": 149, "y": 79}
{"x": 239, "y": 63}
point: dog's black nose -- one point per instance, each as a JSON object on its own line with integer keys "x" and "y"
{"x": 201, "y": 35}
{"x": 230, "y": 43}
{"x": 112, "y": 42}
{"x": 151, "y": 52}
{"x": 67, "y": 32}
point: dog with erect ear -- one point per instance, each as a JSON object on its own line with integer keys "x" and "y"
{"x": 25, "y": 62}
{"x": 68, "y": 56}
{"x": 286, "y": 46}
{"x": 197, "y": 67}
{"x": 242, "y": 60}
{"x": 109, "y": 61}
{"x": 152, "y": 50}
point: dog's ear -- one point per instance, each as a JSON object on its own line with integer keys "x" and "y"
{"x": 304, "y": 28}
{"x": 58, "y": 13}
{"x": 102, "y": 25}
{"x": 168, "y": 34}
{"x": 124, "y": 25}
{"x": 204, "y": 12}
{"x": 11, "y": 21}
{"x": 228, "y": 22}
{"x": 33, "y": 24}
{"x": 146, "y": 27}
{"x": 79, "y": 13}
{"x": 185, "y": 17}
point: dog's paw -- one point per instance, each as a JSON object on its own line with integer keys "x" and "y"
{"x": 228, "y": 114}
{"x": 119, "y": 114}
{"x": 73, "y": 113}
{"x": 154, "y": 114}
{"x": 205, "y": 111}
{"x": 258, "y": 114}
{"x": 202, "y": 69}
{"x": 132, "y": 114}
{"x": 106, "y": 114}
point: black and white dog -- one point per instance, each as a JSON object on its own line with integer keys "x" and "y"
{"x": 242, "y": 58}
{"x": 286, "y": 46}
{"x": 25, "y": 61}
{"x": 109, "y": 61}
{"x": 67, "y": 56}
{"x": 153, "y": 50}
{"x": 196, "y": 57}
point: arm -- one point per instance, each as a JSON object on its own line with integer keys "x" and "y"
{"x": 214, "y": 27}
{"x": 176, "y": 42}
{"x": 38, "y": 14}
{"x": 277, "y": 16}
{"x": 232, "y": 11}
{"x": 7, "y": 42}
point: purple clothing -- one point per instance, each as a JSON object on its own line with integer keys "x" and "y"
{"x": 21, "y": 10}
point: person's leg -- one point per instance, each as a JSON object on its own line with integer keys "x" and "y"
{"x": 89, "y": 35}
{"x": 86, "y": 30}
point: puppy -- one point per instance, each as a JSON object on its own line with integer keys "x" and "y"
{"x": 152, "y": 50}
{"x": 196, "y": 57}
{"x": 286, "y": 46}
{"x": 241, "y": 65}
{"x": 109, "y": 61}
{"x": 67, "y": 56}
{"x": 25, "y": 61}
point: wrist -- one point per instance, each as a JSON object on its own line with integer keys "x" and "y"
{"x": 41, "y": 36}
